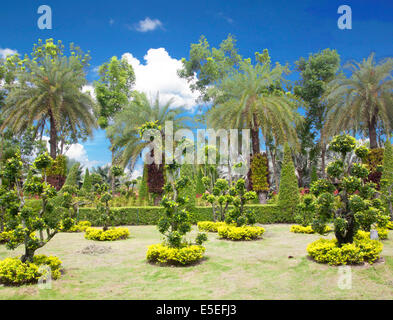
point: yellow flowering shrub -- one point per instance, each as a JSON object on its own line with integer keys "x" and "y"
{"x": 308, "y": 229}
{"x": 210, "y": 226}
{"x": 111, "y": 234}
{"x": 15, "y": 272}
{"x": 240, "y": 233}
{"x": 382, "y": 234}
{"x": 5, "y": 236}
{"x": 159, "y": 253}
{"x": 362, "y": 249}
{"x": 81, "y": 226}
{"x": 390, "y": 225}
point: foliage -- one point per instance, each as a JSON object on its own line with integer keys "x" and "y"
{"x": 355, "y": 205}
{"x": 15, "y": 272}
{"x": 240, "y": 233}
{"x": 158, "y": 253}
{"x": 361, "y": 102}
{"x": 210, "y": 226}
{"x": 306, "y": 210}
{"x": 175, "y": 222}
{"x": 143, "y": 191}
{"x": 110, "y": 234}
{"x": 260, "y": 172}
{"x": 288, "y": 195}
{"x": 239, "y": 215}
{"x": 189, "y": 190}
{"x": 219, "y": 198}
{"x": 307, "y": 229}
{"x": 102, "y": 200}
{"x": 373, "y": 162}
{"x": 87, "y": 185}
{"x": 81, "y": 226}
{"x": 73, "y": 176}
{"x": 361, "y": 250}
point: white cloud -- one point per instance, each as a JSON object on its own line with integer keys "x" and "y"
{"x": 78, "y": 153}
{"x": 89, "y": 89}
{"x": 5, "y": 52}
{"x": 148, "y": 25}
{"x": 159, "y": 74}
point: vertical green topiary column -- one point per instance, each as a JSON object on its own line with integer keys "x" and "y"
{"x": 86, "y": 186}
{"x": 260, "y": 176}
{"x": 288, "y": 195}
{"x": 189, "y": 191}
{"x": 72, "y": 178}
{"x": 387, "y": 178}
{"x": 143, "y": 193}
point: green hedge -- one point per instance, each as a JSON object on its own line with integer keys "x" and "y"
{"x": 268, "y": 213}
{"x": 265, "y": 214}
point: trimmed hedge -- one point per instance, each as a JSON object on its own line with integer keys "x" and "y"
{"x": 265, "y": 214}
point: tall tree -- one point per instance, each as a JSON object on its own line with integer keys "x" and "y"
{"x": 47, "y": 92}
{"x": 142, "y": 113}
{"x": 113, "y": 90}
{"x": 315, "y": 72}
{"x": 363, "y": 101}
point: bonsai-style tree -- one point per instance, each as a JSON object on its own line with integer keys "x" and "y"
{"x": 240, "y": 196}
{"x": 306, "y": 210}
{"x": 102, "y": 198}
{"x": 31, "y": 228}
{"x": 175, "y": 222}
{"x": 219, "y": 198}
{"x": 355, "y": 205}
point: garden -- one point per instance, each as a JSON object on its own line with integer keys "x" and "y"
{"x": 289, "y": 184}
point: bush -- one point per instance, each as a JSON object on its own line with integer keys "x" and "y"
{"x": 288, "y": 195}
{"x": 5, "y": 236}
{"x": 390, "y": 225}
{"x": 240, "y": 233}
{"x": 307, "y": 229}
{"x": 158, "y": 253}
{"x": 14, "y": 272}
{"x": 362, "y": 249}
{"x": 210, "y": 226}
{"x": 382, "y": 234}
{"x": 81, "y": 226}
{"x": 108, "y": 235}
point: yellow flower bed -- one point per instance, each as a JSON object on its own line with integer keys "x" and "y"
{"x": 210, "y": 226}
{"x": 307, "y": 230}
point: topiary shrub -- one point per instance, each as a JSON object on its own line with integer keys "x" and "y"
{"x": 111, "y": 234}
{"x": 81, "y": 226}
{"x": 73, "y": 176}
{"x": 288, "y": 195}
{"x": 307, "y": 229}
{"x": 175, "y": 222}
{"x": 158, "y": 253}
{"x": 87, "y": 185}
{"x": 14, "y": 272}
{"x": 210, "y": 226}
{"x": 240, "y": 233}
{"x": 361, "y": 250}
{"x": 373, "y": 162}
{"x": 260, "y": 176}
{"x": 387, "y": 179}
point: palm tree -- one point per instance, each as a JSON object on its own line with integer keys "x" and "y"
{"x": 252, "y": 98}
{"x": 125, "y": 132}
{"x": 362, "y": 102}
{"x": 50, "y": 94}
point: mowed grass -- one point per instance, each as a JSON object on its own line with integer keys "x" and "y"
{"x": 232, "y": 270}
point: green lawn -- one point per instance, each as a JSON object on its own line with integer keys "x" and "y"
{"x": 232, "y": 270}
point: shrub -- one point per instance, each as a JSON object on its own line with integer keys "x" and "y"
{"x": 158, "y": 253}
{"x": 240, "y": 233}
{"x": 382, "y": 234}
{"x": 328, "y": 251}
{"x": 307, "y": 229}
{"x": 5, "y": 236}
{"x": 210, "y": 226}
{"x": 260, "y": 173}
{"x": 390, "y": 225}
{"x": 111, "y": 234}
{"x": 81, "y": 226}
{"x": 73, "y": 176}
{"x": 87, "y": 186}
{"x": 288, "y": 195}
{"x": 15, "y": 272}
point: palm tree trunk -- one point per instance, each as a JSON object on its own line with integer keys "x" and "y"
{"x": 372, "y": 133}
{"x": 255, "y": 140}
{"x": 52, "y": 135}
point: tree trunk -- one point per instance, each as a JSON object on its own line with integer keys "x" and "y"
{"x": 323, "y": 159}
{"x": 52, "y": 136}
{"x": 255, "y": 140}
{"x": 262, "y": 196}
{"x": 372, "y": 132}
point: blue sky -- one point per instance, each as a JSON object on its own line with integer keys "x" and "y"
{"x": 289, "y": 29}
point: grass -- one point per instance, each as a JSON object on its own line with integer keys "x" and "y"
{"x": 232, "y": 270}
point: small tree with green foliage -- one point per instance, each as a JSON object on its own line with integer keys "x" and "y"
{"x": 387, "y": 179}
{"x": 356, "y": 204}
{"x": 260, "y": 176}
{"x": 87, "y": 186}
{"x": 175, "y": 222}
{"x": 219, "y": 198}
{"x": 73, "y": 176}
{"x": 288, "y": 195}
{"x": 102, "y": 199}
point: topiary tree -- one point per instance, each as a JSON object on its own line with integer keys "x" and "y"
{"x": 28, "y": 225}
{"x": 72, "y": 177}
{"x": 260, "y": 176}
{"x": 288, "y": 195}
{"x": 57, "y": 172}
{"x": 313, "y": 175}
{"x": 387, "y": 178}
{"x": 102, "y": 198}
{"x": 240, "y": 196}
{"x": 219, "y": 198}
{"x": 143, "y": 193}
{"x": 175, "y": 222}
{"x": 199, "y": 187}
{"x": 355, "y": 205}
{"x": 306, "y": 210}
{"x": 87, "y": 186}
{"x": 187, "y": 170}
